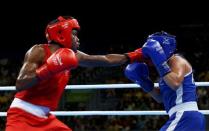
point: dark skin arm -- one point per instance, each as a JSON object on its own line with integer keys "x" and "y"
{"x": 86, "y": 60}
{"x": 34, "y": 58}
{"x": 27, "y": 75}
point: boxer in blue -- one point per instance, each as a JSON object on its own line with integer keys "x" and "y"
{"x": 177, "y": 86}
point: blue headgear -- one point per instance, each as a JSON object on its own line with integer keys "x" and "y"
{"x": 167, "y": 41}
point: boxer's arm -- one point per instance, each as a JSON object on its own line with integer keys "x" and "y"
{"x": 178, "y": 70}
{"x": 155, "y": 93}
{"x": 101, "y": 60}
{"x": 27, "y": 75}
{"x": 139, "y": 73}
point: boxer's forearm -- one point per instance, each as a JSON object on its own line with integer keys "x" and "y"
{"x": 114, "y": 59}
{"x": 104, "y": 60}
{"x": 26, "y": 81}
{"x": 155, "y": 93}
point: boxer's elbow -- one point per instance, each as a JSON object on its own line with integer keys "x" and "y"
{"x": 158, "y": 99}
{"x": 173, "y": 81}
{"x": 19, "y": 85}
{"x": 25, "y": 83}
{"x": 174, "y": 84}
{"x": 155, "y": 93}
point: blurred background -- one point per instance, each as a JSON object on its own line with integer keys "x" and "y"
{"x": 106, "y": 28}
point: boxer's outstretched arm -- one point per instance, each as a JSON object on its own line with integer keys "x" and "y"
{"x": 86, "y": 60}
{"x": 27, "y": 75}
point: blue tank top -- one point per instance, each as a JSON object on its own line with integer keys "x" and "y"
{"x": 185, "y": 93}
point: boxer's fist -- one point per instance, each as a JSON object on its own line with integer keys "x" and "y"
{"x": 139, "y": 73}
{"x": 154, "y": 50}
{"x": 135, "y": 56}
{"x": 62, "y": 59}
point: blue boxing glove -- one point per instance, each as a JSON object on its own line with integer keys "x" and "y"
{"x": 154, "y": 50}
{"x": 139, "y": 73}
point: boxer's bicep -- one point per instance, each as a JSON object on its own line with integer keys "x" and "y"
{"x": 27, "y": 74}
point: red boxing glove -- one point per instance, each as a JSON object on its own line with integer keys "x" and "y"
{"x": 135, "y": 56}
{"x": 62, "y": 59}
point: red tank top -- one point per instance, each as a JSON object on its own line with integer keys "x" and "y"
{"x": 48, "y": 92}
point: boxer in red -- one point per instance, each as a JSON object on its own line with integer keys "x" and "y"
{"x": 45, "y": 73}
